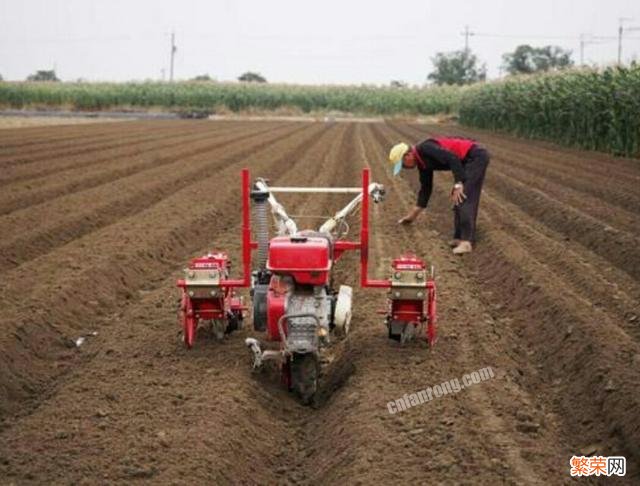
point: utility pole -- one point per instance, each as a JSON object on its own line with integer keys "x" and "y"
{"x": 466, "y": 35}
{"x": 173, "y": 53}
{"x": 585, "y": 40}
{"x": 620, "y": 30}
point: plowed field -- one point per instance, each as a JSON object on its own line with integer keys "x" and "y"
{"x": 97, "y": 221}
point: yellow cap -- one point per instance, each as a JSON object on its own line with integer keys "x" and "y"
{"x": 395, "y": 156}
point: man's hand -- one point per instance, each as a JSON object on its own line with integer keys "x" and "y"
{"x": 457, "y": 194}
{"x": 411, "y": 217}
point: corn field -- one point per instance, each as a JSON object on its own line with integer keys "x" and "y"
{"x": 211, "y": 96}
{"x": 595, "y": 110}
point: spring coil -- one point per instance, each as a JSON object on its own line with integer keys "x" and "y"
{"x": 262, "y": 232}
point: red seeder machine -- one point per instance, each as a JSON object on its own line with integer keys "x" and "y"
{"x": 293, "y": 297}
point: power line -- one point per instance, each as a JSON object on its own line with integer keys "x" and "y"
{"x": 525, "y": 36}
{"x": 193, "y": 36}
{"x": 115, "y": 38}
{"x": 551, "y": 37}
{"x": 588, "y": 39}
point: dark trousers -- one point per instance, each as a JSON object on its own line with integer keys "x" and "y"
{"x": 465, "y": 214}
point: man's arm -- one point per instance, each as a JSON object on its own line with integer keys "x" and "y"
{"x": 426, "y": 187}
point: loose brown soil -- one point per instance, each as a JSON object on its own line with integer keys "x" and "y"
{"x": 96, "y": 222}
{"x": 7, "y": 122}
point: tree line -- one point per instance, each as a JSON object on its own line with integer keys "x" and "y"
{"x": 463, "y": 67}
{"x": 450, "y": 68}
{"x": 50, "y": 75}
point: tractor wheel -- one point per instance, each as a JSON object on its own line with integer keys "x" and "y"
{"x": 218, "y": 327}
{"x": 342, "y": 311}
{"x": 304, "y": 376}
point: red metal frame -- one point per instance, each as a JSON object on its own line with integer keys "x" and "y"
{"x": 339, "y": 247}
{"x": 247, "y": 244}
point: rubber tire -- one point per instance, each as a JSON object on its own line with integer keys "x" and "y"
{"x": 259, "y": 301}
{"x": 305, "y": 372}
{"x": 343, "y": 312}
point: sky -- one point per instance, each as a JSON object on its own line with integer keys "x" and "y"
{"x": 328, "y": 42}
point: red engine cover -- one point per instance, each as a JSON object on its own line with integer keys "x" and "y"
{"x": 306, "y": 259}
{"x": 279, "y": 289}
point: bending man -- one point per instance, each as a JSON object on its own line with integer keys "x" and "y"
{"x": 467, "y": 161}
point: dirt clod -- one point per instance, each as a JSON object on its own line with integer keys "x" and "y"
{"x": 141, "y": 472}
{"x": 528, "y": 427}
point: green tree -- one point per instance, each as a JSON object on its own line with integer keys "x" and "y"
{"x": 395, "y": 83}
{"x": 527, "y": 59}
{"x": 202, "y": 77}
{"x": 251, "y": 77}
{"x": 43, "y": 75}
{"x": 457, "y": 67}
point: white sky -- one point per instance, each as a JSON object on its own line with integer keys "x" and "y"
{"x": 333, "y": 41}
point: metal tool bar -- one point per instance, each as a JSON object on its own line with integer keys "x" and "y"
{"x": 364, "y": 236}
{"x": 376, "y": 190}
{"x": 318, "y": 190}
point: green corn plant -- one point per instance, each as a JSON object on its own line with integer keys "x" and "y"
{"x": 592, "y": 109}
{"x": 368, "y": 100}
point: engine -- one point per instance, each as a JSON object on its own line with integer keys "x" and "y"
{"x": 294, "y": 301}
{"x": 297, "y": 306}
